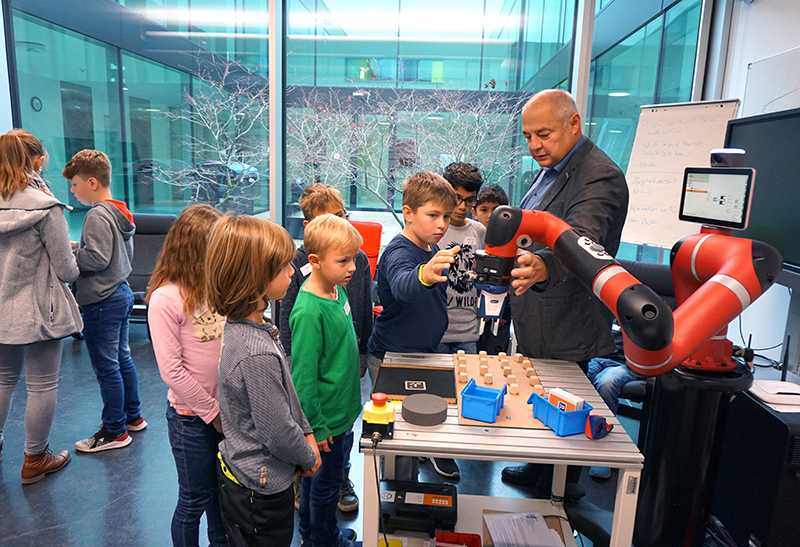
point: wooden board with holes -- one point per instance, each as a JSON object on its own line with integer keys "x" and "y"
{"x": 516, "y": 411}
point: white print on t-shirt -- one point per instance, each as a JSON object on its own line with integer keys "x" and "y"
{"x": 207, "y": 325}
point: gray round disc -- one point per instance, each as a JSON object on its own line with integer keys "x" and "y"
{"x": 424, "y": 409}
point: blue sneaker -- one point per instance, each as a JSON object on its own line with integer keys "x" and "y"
{"x": 347, "y": 537}
{"x": 600, "y": 472}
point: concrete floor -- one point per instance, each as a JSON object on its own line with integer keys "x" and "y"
{"x": 126, "y": 497}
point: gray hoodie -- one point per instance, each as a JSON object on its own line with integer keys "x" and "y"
{"x": 104, "y": 253}
{"x": 35, "y": 263}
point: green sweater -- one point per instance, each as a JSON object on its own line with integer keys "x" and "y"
{"x": 325, "y": 364}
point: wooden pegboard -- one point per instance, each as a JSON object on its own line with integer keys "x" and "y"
{"x": 516, "y": 411}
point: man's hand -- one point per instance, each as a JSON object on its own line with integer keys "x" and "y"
{"x": 432, "y": 270}
{"x": 532, "y": 270}
{"x": 312, "y": 442}
{"x": 324, "y": 444}
{"x": 73, "y": 244}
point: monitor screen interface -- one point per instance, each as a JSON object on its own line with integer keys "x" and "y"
{"x": 717, "y": 196}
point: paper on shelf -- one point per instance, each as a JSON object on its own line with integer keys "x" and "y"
{"x": 520, "y": 530}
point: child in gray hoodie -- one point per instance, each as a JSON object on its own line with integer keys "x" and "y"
{"x": 104, "y": 254}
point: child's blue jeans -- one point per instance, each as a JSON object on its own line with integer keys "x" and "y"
{"x": 319, "y": 495}
{"x": 105, "y": 331}
{"x": 194, "y": 446}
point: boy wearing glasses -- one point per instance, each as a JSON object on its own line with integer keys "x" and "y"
{"x": 462, "y": 297}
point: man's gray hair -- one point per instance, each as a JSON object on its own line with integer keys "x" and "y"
{"x": 563, "y": 104}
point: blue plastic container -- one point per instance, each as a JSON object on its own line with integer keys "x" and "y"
{"x": 482, "y": 403}
{"x": 562, "y": 422}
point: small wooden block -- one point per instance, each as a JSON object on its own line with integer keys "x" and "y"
{"x": 533, "y": 381}
{"x": 463, "y": 377}
{"x": 511, "y": 379}
{"x": 518, "y": 357}
{"x": 530, "y": 372}
{"x": 506, "y": 371}
{"x": 502, "y": 355}
{"x": 504, "y": 362}
{"x": 483, "y": 360}
{"x": 487, "y": 379}
{"x": 482, "y": 353}
{"x": 462, "y": 352}
{"x": 462, "y": 359}
{"x": 462, "y": 367}
{"x": 538, "y": 390}
{"x": 484, "y": 370}
{"x": 513, "y": 389}
{"x": 526, "y": 362}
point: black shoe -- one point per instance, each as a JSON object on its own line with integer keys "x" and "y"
{"x": 446, "y": 467}
{"x": 348, "y": 500}
{"x": 524, "y": 475}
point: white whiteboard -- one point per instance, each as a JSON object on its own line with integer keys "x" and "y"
{"x": 773, "y": 84}
{"x": 669, "y": 138}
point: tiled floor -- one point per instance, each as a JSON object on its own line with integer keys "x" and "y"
{"x": 126, "y": 497}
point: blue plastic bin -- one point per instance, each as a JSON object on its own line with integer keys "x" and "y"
{"x": 482, "y": 403}
{"x": 562, "y": 422}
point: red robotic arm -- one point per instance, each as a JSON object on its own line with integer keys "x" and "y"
{"x": 716, "y": 277}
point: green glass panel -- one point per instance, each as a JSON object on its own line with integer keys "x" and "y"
{"x": 158, "y": 150}
{"x": 69, "y": 99}
{"x": 681, "y": 31}
{"x": 624, "y": 78}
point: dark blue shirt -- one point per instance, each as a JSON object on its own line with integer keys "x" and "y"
{"x": 414, "y": 317}
{"x": 545, "y": 180}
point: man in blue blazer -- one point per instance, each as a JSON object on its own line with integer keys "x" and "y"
{"x": 555, "y": 316}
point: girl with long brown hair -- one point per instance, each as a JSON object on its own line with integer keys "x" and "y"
{"x": 187, "y": 339}
{"x": 36, "y": 262}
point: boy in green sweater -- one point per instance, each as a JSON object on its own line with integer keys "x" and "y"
{"x": 325, "y": 372}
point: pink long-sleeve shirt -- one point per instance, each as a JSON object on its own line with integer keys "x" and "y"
{"x": 187, "y": 349}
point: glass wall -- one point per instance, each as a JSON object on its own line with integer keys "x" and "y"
{"x": 69, "y": 98}
{"x": 174, "y": 135}
{"x": 654, "y": 65}
{"x": 375, "y": 90}
{"x": 381, "y": 89}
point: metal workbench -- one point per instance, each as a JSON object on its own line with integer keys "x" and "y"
{"x": 451, "y": 440}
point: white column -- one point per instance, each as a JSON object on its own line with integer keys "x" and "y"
{"x": 6, "y": 121}
{"x": 276, "y": 100}
{"x": 582, "y": 55}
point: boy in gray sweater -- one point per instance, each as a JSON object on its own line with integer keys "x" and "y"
{"x": 104, "y": 254}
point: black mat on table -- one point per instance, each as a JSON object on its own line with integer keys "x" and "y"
{"x": 398, "y": 382}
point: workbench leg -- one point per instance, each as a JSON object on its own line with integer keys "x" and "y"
{"x": 370, "y": 504}
{"x": 625, "y": 507}
{"x": 559, "y": 480}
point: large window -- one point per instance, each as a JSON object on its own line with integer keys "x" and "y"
{"x": 654, "y": 65}
{"x": 69, "y": 98}
{"x": 375, "y": 91}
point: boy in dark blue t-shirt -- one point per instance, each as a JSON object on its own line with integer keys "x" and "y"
{"x": 411, "y": 280}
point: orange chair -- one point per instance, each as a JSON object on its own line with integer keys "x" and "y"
{"x": 371, "y": 233}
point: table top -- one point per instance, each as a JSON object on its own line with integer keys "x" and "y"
{"x": 451, "y": 440}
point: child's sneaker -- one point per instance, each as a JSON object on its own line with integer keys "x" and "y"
{"x": 103, "y": 441}
{"x": 136, "y": 425}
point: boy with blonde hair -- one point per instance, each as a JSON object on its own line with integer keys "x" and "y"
{"x": 319, "y": 199}
{"x": 104, "y": 254}
{"x": 324, "y": 357}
